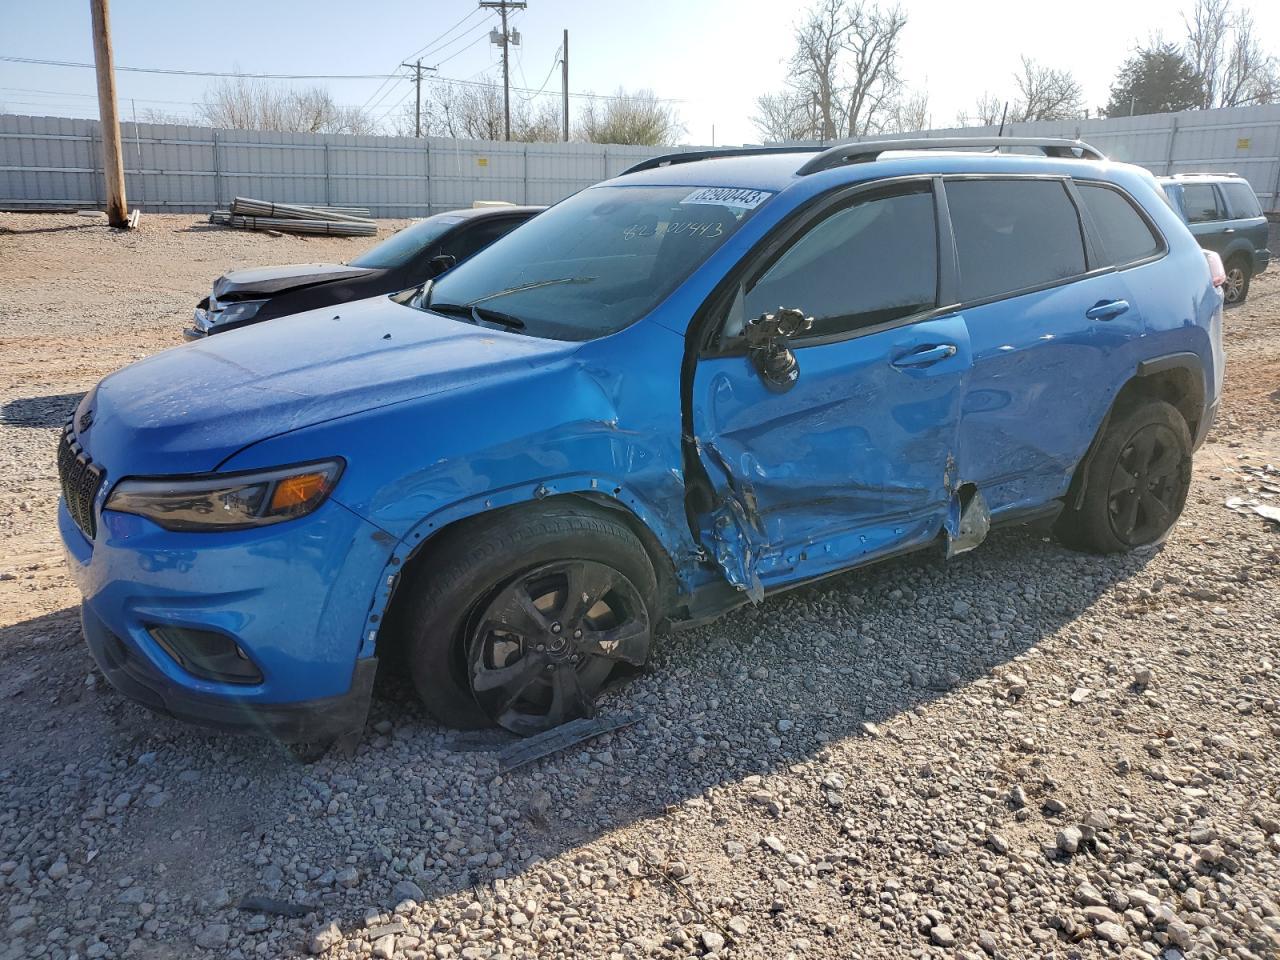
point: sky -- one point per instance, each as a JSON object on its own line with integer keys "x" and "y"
{"x": 712, "y": 58}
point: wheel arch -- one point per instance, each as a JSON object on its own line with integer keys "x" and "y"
{"x": 587, "y": 495}
{"x": 1176, "y": 378}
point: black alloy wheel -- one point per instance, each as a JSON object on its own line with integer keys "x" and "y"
{"x": 544, "y": 645}
{"x": 1146, "y": 485}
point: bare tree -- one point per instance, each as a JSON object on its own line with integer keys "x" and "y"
{"x": 909, "y": 113}
{"x": 1224, "y": 48}
{"x": 537, "y": 122}
{"x": 843, "y": 74}
{"x": 786, "y": 116}
{"x": 1046, "y": 94}
{"x": 987, "y": 111}
{"x": 814, "y": 72}
{"x": 637, "y": 118}
{"x": 872, "y": 39}
{"x": 243, "y": 103}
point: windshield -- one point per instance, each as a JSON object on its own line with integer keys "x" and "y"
{"x": 598, "y": 261}
{"x": 399, "y": 248}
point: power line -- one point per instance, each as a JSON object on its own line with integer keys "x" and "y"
{"x": 431, "y": 45}
{"x": 319, "y": 76}
{"x": 209, "y": 73}
{"x": 555, "y": 62}
{"x": 482, "y": 36}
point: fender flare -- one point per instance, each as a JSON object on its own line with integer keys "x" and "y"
{"x": 593, "y": 485}
{"x": 1172, "y": 361}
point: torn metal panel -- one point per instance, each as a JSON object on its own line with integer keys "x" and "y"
{"x": 968, "y": 522}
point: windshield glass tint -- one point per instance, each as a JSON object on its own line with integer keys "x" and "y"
{"x": 399, "y": 248}
{"x": 601, "y": 259}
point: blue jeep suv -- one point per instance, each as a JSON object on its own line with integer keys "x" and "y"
{"x": 717, "y": 376}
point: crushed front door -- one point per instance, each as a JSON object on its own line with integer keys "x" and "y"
{"x": 848, "y": 453}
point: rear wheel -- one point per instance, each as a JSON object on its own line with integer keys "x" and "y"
{"x": 1236, "y": 287}
{"x": 525, "y": 616}
{"x": 1136, "y": 482}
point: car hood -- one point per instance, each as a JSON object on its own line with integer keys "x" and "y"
{"x": 240, "y": 284}
{"x": 187, "y": 409}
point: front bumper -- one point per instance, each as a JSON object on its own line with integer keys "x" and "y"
{"x": 201, "y": 326}
{"x": 129, "y": 671}
{"x": 294, "y": 596}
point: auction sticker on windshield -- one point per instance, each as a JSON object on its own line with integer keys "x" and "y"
{"x": 729, "y": 197}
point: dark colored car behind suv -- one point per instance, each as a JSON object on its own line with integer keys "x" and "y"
{"x": 1224, "y": 216}
{"x": 405, "y": 259}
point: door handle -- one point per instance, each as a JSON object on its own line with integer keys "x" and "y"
{"x": 1229, "y": 230}
{"x": 925, "y": 356}
{"x": 1107, "y": 309}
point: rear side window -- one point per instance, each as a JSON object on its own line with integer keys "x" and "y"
{"x": 872, "y": 262}
{"x": 1126, "y": 237}
{"x": 1200, "y": 203}
{"x": 1241, "y": 201}
{"x": 1013, "y": 234}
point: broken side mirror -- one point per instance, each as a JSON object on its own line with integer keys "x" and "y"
{"x": 767, "y": 337}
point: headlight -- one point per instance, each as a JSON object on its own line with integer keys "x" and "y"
{"x": 237, "y": 311}
{"x": 228, "y": 501}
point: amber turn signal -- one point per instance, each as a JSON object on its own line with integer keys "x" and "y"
{"x": 298, "y": 491}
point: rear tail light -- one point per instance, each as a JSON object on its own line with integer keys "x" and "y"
{"x": 1216, "y": 270}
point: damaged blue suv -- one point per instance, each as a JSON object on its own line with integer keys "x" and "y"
{"x": 720, "y": 375}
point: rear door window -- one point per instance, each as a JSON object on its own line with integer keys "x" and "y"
{"x": 1013, "y": 235}
{"x": 872, "y": 262}
{"x": 1200, "y": 203}
{"x": 1242, "y": 204}
{"x": 1126, "y": 236}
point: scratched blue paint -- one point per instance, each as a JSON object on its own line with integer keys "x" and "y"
{"x": 439, "y": 419}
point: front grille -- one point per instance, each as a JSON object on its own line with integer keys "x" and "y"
{"x": 81, "y": 480}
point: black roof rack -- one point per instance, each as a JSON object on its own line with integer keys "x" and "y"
{"x": 689, "y": 156}
{"x": 865, "y": 151}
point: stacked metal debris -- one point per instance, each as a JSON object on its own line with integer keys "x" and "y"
{"x": 249, "y": 214}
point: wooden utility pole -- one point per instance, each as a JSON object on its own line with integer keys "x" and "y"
{"x": 112, "y": 153}
{"x": 564, "y": 84}
{"x": 502, "y": 6}
{"x": 417, "y": 69}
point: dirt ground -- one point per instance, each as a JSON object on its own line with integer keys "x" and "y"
{"x": 1025, "y": 752}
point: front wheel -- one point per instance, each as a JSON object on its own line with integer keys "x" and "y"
{"x": 1136, "y": 482}
{"x": 525, "y": 616}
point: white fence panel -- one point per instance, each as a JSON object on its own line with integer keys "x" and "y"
{"x": 53, "y": 162}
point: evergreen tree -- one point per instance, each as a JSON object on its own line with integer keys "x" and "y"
{"x": 1157, "y": 79}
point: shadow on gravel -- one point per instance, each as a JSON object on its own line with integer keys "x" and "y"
{"x": 39, "y": 411}
{"x": 871, "y": 646}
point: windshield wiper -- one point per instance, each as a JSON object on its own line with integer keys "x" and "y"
{"x": 530, "y": 286}
{"x": 476, "y": 314}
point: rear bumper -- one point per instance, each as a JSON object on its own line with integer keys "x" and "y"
{"x": 132, "y": 674}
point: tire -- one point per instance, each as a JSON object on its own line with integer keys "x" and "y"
{"x": 1239, "y": 273}
{"x": 483, "y": 560}
{"x": 1144, "y": 444}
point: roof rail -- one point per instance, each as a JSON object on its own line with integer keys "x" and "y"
{"x": 866, "y": 151}
{"x": 1205, "y": 173}
{"x": 689, "y": 156}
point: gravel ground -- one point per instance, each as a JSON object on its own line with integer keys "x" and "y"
{"x": 1023, "y": 752}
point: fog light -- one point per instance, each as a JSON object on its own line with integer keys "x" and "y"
{"x": 208, "y": 655}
